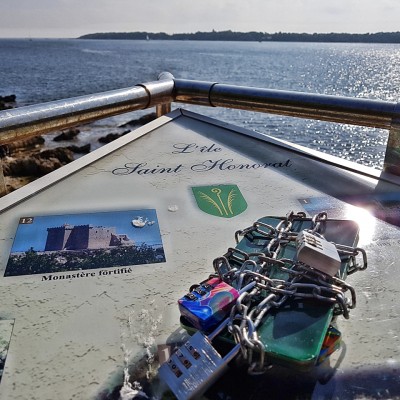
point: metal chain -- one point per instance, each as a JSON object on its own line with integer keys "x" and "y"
{"x": 303, "y": 282}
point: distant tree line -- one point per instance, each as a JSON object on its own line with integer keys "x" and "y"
{"x": 381, "y": 37}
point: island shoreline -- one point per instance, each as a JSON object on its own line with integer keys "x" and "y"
{"x": 333, "y": 37}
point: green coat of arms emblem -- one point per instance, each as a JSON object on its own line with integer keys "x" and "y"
{"x": 225, "y": 201}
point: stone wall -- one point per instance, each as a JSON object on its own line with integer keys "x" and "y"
{"x": 79, "y": 237}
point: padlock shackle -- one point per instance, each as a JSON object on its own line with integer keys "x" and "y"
{"x": 218, "y": 330}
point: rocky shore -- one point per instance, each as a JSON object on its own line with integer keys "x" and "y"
{"x": 7, "y": 102}
{"x": 24, "y": 161}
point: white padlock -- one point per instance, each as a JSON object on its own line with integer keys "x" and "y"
{"x": 318, "y": 253}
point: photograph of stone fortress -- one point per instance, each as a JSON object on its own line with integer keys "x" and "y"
{"x": 81, "y": 237}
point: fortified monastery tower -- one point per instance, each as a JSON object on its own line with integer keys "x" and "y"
{"x": 80, "y": 237}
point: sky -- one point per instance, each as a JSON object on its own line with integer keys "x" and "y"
{"x": 73, "y": 18}
{"x": 35, "y": 234}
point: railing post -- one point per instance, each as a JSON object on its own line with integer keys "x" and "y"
{"x": 3, "y": 188}
{"x": 164, "y": 108}
{"x": 391, "y": 162}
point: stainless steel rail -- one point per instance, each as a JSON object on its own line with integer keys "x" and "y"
{"x": 24, "y": 122}
{"x": 20, "y": 123}
{"x": 355, "y": 111}
{"x": 371, "y": 113}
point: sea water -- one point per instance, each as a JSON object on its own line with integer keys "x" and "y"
{"x": 45, "y": 70}
{"x": 40, "y": 70}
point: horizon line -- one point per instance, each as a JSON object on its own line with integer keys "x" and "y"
{"x": 194, "y": 33}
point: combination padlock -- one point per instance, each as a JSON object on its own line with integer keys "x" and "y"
{"x": 196, "y": 365}
{"x": 208, "y": 304}
{"x": 317, "y": 252}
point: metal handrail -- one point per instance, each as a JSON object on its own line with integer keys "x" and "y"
{"x": 364, "y": 112}
{"x": 20, "y": 123}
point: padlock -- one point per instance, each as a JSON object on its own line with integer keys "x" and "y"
{"x": 317, "y": 252}
{"x": 196, "y": 365}
{"x": 208, "y": 304}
